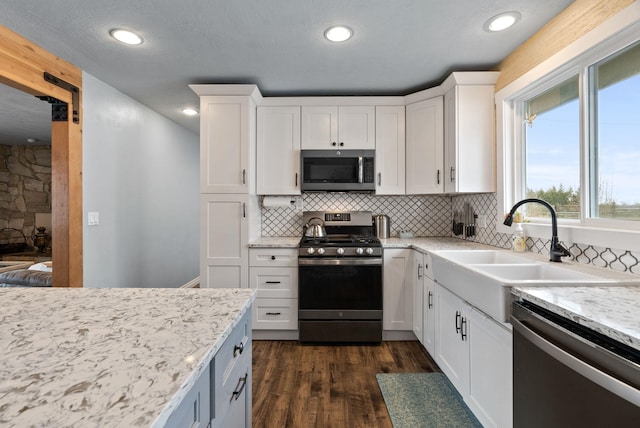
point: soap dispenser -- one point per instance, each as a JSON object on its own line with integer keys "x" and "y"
{"x": 519, "y": 240}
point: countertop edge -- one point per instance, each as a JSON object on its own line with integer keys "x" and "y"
{"x": 200, "y": 367}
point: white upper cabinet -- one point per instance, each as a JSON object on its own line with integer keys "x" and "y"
{"x": 227, "y": 144}
{"x": 424, "y": 151}
{"x": 333, "y": 127}
{"x": 390, "y": 150}
{"x": 278, "y": 151}
{"x": 469, "y": 124}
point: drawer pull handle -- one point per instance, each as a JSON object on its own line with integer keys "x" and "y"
{"x": 274, "y": 313}
{"x": 272, "y": 282}
{"x": 238, "y": 349}
{"x": 458, "y": 317}
{"x": 463, "y": 329}
{"x": 430, "y": 300}
{"x": 242, "y": 382}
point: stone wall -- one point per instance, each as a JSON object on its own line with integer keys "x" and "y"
{"x": 25, "y": 187}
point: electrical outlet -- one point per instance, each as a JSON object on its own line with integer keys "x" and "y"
{"x": 481, "y": 221}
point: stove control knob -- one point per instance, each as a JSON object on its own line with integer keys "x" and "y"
{"x": 369, "y": 251}
{"x": 310, "y": 250}
{"x": 359, "y": 251}
{"x": 321, "y": 251}
{"x": 340, "y": 251}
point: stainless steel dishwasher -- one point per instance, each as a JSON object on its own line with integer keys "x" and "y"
{"x": 566, "y": 375}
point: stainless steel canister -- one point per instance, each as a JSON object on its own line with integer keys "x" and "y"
{"x": 382, "y": 225}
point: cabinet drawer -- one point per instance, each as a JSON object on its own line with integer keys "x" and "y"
{"x": 274, "y": 282}
{"x": 273, "y": 257}
{"x": 275, "y": 314}
{"x": 230, "y": 374}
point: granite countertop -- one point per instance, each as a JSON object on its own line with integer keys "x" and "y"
{"x": 276, "y": 242}
{"x": 433, "y": 243}
{"x": 107, "y": 357}
{"x": 611, "y": 310}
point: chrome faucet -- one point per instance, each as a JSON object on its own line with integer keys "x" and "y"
{"x": 557, "y": 250}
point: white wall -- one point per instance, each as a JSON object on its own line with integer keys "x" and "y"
{"x": 141, "y": 174}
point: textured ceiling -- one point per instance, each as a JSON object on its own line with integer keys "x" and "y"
{"x": 398, "y": 46}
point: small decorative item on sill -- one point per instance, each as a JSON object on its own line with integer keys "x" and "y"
{"x": 519, "y": 239}
{"x": 42, "y": 239}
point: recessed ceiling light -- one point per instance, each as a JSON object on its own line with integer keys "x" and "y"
{"x": 189, "y": 111}
{"x": 502, "y": 22}
{"x": 338, "y": 33}
{"x": 125, "y": 36}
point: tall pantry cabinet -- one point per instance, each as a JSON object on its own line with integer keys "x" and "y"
{"x": 229, "y": 207}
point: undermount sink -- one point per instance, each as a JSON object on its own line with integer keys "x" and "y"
{"x": 484, "y": 277}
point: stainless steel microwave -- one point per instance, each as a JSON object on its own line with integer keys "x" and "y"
{"x": 338, "y": 170}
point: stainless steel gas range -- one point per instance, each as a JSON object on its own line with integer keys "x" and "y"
{"x": 340, "y": 280}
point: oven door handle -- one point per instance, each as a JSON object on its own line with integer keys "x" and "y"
{"x": 606, "y": 381}
{"x": 375, "y": 261}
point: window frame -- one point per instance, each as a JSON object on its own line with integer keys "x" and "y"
{"x": 616, "y": 34}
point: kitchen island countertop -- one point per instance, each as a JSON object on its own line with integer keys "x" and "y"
{"x": 107, "y": 357}
{"x": 611, "y": 310}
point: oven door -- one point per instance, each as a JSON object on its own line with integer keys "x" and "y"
{"x": 341, "y": 288}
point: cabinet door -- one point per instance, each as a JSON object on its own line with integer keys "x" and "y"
{"x": 226, "y": 143}
{"x": 490, "y": 383}
{"x": 424, "y": 152}
{"x": 390, "y": 150}
{"x": 356, "y": 127}
{"x": 278, "y": 151}
{"x": 319, "y": 127}
{"x": 452, "y": 349}
{"x": 418, "y": 295}
{"x": 429, "y": 315}
{"x": 224, "y": 251}
{"x": 398, "y": 292}
{"x": 469, "y": 139}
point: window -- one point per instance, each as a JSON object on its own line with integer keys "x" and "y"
{"x": 586, "y": 165}
{"x": 614, "y": 157}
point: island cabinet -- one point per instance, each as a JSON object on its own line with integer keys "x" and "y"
{"x": 278, "y": 150}
{"x": 274, "y": 274}
{"x": 338, "y": 127}
{"x": 390, "y": 150}
{"x": 398, "y": 289}
{"x": 474, "y": 351}
{"x": 424, "y": 151}
{"x": 469, "y": 136}
{"x": 221, "y": 396}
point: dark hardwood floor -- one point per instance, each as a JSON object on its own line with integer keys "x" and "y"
{"x": 302, "y": 386}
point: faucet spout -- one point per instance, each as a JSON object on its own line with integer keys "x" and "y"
{"x": 557, "y": 250}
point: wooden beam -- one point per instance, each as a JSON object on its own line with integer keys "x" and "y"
{"x": 22, "y": 66}
{"x": 568, "y": 26}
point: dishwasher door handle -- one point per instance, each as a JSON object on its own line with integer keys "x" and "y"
{"x": 606, "y": 381}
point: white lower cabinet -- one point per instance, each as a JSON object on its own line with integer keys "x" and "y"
{"x": 418, "y": 295}
{"x": 452, "y": 338}
{"x": 490, "y": 373}
{"x": 273, "y": 272}
{"x": 398, "y": 290}
{"x": 474, "y": 351}
{"x": 428, "y": 306}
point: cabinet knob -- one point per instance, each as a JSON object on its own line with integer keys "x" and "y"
{"x": 334, "y": 144}
{"x": 238, "y": 349}
{"x": 341, "y": 144}
{"x": 273, "y": 257}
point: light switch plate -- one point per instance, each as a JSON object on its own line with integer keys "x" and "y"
{"x": 93, "y": 218}
{"x": 481, "y": 221}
